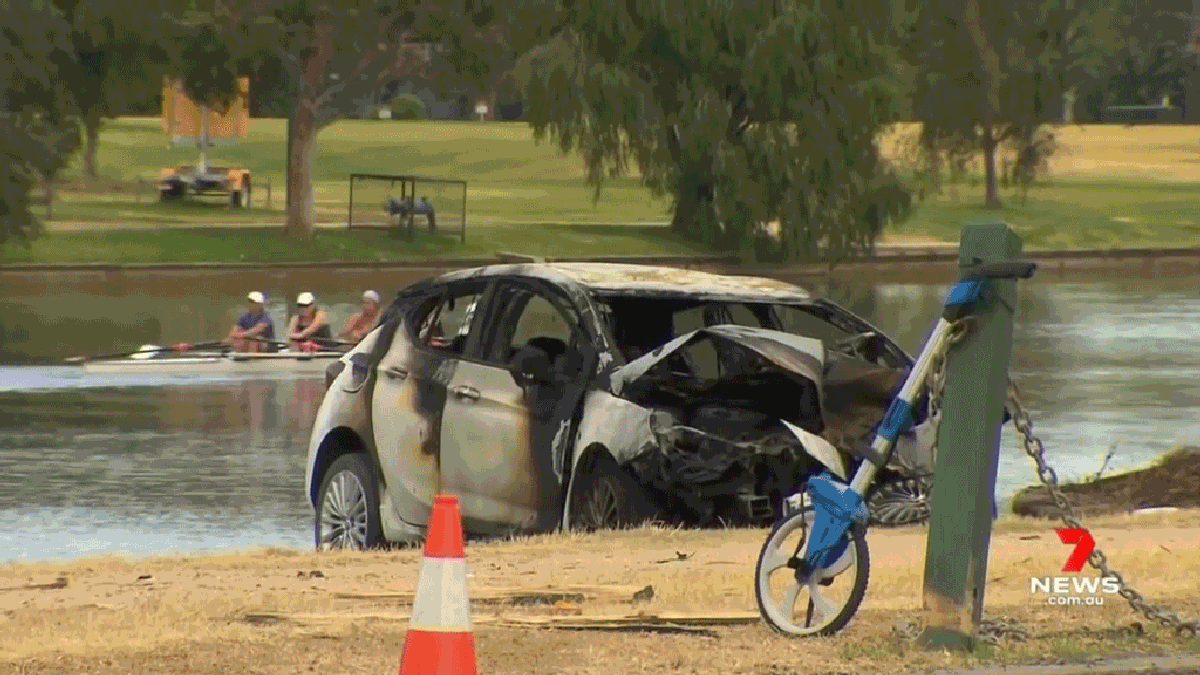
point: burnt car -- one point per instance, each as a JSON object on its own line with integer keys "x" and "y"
{"x": 590, "y": 395}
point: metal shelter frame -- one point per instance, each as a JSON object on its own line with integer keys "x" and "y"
{"x": 408, "y": 190}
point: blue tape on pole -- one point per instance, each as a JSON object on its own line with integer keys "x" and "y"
{"x": 835, "y": 508}
{"x": 897, "y": 420}
{"x": 965, "y": 292}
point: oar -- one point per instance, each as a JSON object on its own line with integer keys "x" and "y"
{"x": 285, "y": 344}
{"x": 180, "y": 347}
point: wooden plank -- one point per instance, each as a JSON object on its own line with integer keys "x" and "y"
{"x": 59, "y": 583}
{"x": 646, "y": 621}
{"x": 317, "y": 619}
{"x": 655, "y": 618}
{"x": 516, "y": 596}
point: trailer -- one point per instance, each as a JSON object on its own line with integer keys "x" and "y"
{"x": 189, "y": 123}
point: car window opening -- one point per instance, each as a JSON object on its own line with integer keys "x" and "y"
{"x": 445, "y": 321}
{"x": 642, "y": 324}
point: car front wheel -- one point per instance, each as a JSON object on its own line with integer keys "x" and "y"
{"x": 608, "y": 498}
{"x": 348, "y": 506}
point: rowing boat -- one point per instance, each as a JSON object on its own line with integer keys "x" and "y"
{"x": 217, "y": 362}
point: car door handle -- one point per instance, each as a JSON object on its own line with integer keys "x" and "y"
{"x": 396, "y": 373}
{"x": 468, "y": 393}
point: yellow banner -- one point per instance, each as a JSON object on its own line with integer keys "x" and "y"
{"x": 181, "y": 115}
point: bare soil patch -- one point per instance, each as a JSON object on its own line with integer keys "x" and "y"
{"x": 1170, "y": 483}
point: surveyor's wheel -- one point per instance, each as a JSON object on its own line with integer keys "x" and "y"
{"x": 823, "y": 604}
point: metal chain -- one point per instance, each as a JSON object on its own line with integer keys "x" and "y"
{"x": 993, "y": 631}
{"x": 1066, "y": 512}
{"x": 937, "y": 379}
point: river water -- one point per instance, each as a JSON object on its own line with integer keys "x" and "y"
{"x": 122, "y": 465}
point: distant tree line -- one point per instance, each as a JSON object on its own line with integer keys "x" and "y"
{"x": 758, "y": 119}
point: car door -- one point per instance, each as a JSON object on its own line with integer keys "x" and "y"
{"x": 409, "y": 395}
{"x": 499, "y": 451}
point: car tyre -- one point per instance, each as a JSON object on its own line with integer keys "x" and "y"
{"x": 348, "y": 506}
{"x": 606, "y": 497}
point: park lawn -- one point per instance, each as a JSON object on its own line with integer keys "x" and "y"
{"x": 513, "y": 182}
{"x": 270, "y": 244}
{"x": 510, "y": 177}
{"x": 1075, "y": 213}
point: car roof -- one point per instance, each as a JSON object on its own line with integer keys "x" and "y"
{"x": 609, "y": 279}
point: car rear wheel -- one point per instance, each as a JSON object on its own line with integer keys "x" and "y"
{"x": 608, "y": 498}
{"x": 348, "y": 506}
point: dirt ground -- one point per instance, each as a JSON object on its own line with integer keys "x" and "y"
{"x": 1170, "y": 483}
{"x": 276, "y": 611}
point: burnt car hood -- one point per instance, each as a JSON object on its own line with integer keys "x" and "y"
{"x": 800, "y": 355}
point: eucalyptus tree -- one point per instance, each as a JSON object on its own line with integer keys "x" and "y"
{"x": 993, "y": 70}
{"x": 37, "y": 135}
{"x": 745, "y": 112}
{"x": 121, "y": 56}
{"x": 337, "y": 57}
{"x": 1150, "y": 59}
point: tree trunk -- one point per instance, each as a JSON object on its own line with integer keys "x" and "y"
{"x": 299, "y": 221}
{"x": 91, "y": 133}
{"x": 1068, "y": 113}
{"x": 989, "y": 62}
{"x": 695, "y": 219}
{"x": 685, "y": 220}
{"x": 992, "y": 201}
{"x": 1191, "y": 96}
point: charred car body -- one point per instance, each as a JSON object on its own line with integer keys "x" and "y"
{"x": 554, "y": 395}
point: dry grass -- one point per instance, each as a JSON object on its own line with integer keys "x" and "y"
{"x": 1105, "y": 152}
{"x": 188, "y": 612}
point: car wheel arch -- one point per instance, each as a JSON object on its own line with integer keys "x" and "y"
{"x": 582, "y": 463}
{"x": 338, "y": 442}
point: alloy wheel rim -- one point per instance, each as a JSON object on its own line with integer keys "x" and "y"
{"x": 602, "y": 505}
{"x": 344, "y": 513}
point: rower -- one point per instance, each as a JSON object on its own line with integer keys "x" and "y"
{"x": 254, "y": 330}
{"x": 309, "y": 326}
{"x": 363, "y": 321}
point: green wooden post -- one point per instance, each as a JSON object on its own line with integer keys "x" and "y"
{"x": 963, "y": 497}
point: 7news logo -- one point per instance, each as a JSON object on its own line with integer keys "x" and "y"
{"x": 1074, "y": 590}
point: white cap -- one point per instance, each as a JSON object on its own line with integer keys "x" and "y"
{"x": 256, "y": 296}
{"x": 305, "y": 298}
{"x": 371, "y": 295}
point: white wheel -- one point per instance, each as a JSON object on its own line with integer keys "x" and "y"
{"x": 824, "y": 604}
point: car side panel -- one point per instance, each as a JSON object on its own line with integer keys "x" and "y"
{"x": 405, "y": 417}
{"x": 341, "y": 406}
{"x": 486, "y": 457}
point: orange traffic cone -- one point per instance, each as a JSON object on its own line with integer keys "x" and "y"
{"x": 439, "y": 639}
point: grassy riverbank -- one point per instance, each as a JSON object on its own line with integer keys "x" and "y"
{"x": 1109, "y": 187}
{"x": 263, "y": 244}
{"x": 268, "y": 612}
